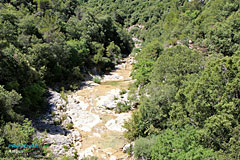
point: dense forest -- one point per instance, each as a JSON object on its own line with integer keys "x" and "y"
{"x": 187, "y": 89}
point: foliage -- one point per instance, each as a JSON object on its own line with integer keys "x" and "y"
{"x": 124, "y": 91}
{"x": 8, "y": 101}
{"x": 169, "y": 144}
{"x": 15, "y": 133}
{"x": 224, "y": 37}
{"x": 63, "y": 94}
{"x": 183, "y": 73}
{"x": 44, "y": 43}
{"x": 90, "y": 158}
{"x": 216, "y": 111}
{"x": 146, "y": 59}
{"x": 70, "y": 126}
{"x": 122, "y": 107}
{"x": 180, "y": 145}
{"x": 96, "y": 80}
{"x": 172, "y": 67}
{"x": 143, "y": 148}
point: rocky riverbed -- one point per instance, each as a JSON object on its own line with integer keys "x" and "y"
{"x": 84, "y": 123}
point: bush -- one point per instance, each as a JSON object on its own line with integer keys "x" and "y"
{"x": 124, "y": 91}
{"x": 66, "y": 147}
{"x": 67, "y": 158}
{"x": 90, "y": 158}
{"x": 121, "y": 107}
{"x": 33, "y": 97}
{"x": 142, "y": 148}
{"x": 53, "y": 113}
{"x": 15, "y": 133}
{"x": 181, "y": 144}
{"x": 9, "y": 101}
{"x": 64, "y": 117}
{"x": 57, "y": 122}
{"x": 69, "y": 126}
{"x": 63, "y": 95}
{"x": 96, "y": 80}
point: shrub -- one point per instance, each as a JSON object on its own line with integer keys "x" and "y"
{"x": 53, "y": 113}
{"x": 180, "y": 144}
{"x": 96, "y": 80}
{"x": 64, "y": 117}
{"x": 121, "y": 107}
{"x": 124, "y": 91}
{"x": 69, "y": 126}
{"x": 63, "y": 95}
{"x": 142, "y": 148}
{"x": 15, "y": 133}
{"x": 66, "y": 147}
{"x": 66, "y": 158}
{"x": 57, "y": 122}
{"x": 90, "y": 158}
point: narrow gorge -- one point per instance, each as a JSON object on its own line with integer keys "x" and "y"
{"x": 87, "y": 122}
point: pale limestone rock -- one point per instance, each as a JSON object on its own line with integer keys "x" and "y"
{"x": 96, "y": 135}
{"x": 117, "y": 123}
{"x": 87, "y": 152}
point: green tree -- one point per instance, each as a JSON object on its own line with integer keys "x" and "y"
{"x": 211, "y": 102}
{"x": 224, "y": 36}
{"x": 181, "y": 145}
{"x": 146, "y": 58}
{"x": 9, "y": 101}
{"x": 172, "y": 67}
{"x": 113, "y": 52}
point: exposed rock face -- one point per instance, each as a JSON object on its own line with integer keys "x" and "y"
{"x": 52, "y": 127}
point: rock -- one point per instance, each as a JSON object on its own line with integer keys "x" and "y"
{"x": 70, "y": 152}
{"x": 108, "y": 100}
{"x": 78, "y": 145}
{"x": 68, "y": 120}
{"x": 48, "y": 140}
{"x": 126, "y": 148}
{"x": 56, "y": 118}
{"x": 83, "y": 105}
{"x": 80, "y": 109}
{"x": 179, "y": 42}
{"x": 113, "y": 158}
{"x": 96, "y": 135}
{"x": 87, "y": 152}
{"x": 76, "y": 136}
{"x": 61, "y": 152}
{"x": 84, "y": 120}
{"x": 132, "y": 144}
{"x": 57, "y": 150}
{"x": 116, "y": 124}
{"x": 60, "y": 139}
